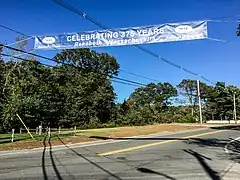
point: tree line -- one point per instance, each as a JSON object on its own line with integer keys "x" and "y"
{"x": 78, "y": 91}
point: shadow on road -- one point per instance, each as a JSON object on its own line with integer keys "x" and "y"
{"x": 145, "y": 170}
{"x": 45, "y": 177}
{"x": 227, "y": 127}
{"x": 214, "y": 142}
{"x": 59, "y": 177}
{"x": 232, "y": 147}
{"x": 201, "y": 159}
{"x": 91, "y": 162}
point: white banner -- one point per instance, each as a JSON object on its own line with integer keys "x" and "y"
{"x": 124, "y": 36}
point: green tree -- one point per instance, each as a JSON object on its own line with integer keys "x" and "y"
{"x": 26, "y": 94}
{"x": 90, "y": 98}
{"x": 219, "y": 101}
{"x": 154, "y": 94}
{"x": 188, "y": 88}
{"x": 89, "y": 60}
{"x": 2, "y": 98}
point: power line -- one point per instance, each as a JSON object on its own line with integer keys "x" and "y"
{"x": 53, "y": 60}
{"x": 114, "y": 77}
{"x": 134, "y": 74}
{"x": 225, "y": 17}
{"x": 224, "y": 21}
{"x": 32, "y": 54}
{"x": 84, "y": 15}
{"x": 116, "y": 81}
{"x": 130, "y": 81}
{"x": 13, "y": 30}
{"x": 121, "y": 82}
{"x": 23, "y": 59}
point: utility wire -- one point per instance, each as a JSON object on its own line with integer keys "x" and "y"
{"x": 13, "y": 30}
{"x": 84, "y": 15}
{"x": 128, "y": 82}
{"x": 224, "y": 17}
{"x": 141, "y": 84}
{"x": 116, "y": 81}
{"x": 123, "y": 81}
{"x": 138, "y": 75}
{"x": 114, "y": 77}
{"x": 32, "y": 54}
{"x": 23, "y": 59}
{"x": 224, "y": 21}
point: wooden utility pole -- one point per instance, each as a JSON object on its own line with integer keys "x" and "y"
{"x": 234, "y": 108}
{"x": 199, "y": 101}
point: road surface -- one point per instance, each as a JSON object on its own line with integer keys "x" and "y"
{"x": 202, "y": 154}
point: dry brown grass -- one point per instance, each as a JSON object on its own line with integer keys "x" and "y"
{"x": 138, "y": 130}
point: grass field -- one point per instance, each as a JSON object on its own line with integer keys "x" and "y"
{"x": 24, "y": 141}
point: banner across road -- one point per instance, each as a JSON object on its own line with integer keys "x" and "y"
{"x": 124, "y": 36}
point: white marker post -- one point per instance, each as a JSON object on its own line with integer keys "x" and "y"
{"x": 49, "y": 132}
{"x": 59, "y": 130}
{"x": 13, "y": 130}
{"x": 75, "y": 130}
{"x": 40, "y": 130}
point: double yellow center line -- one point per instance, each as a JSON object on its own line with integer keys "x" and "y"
{"x": 155, "y": 144}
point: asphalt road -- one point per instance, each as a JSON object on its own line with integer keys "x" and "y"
{"x": 202, "y": 154}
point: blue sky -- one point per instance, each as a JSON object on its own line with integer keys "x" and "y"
{"x": 217, "y": 61}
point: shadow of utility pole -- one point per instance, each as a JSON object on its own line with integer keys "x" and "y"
{"x": 45, "y": 177}
{"x": 145, "y": 170}
{"x": 59, "y": 177}
{"x": 201, "y": 159}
